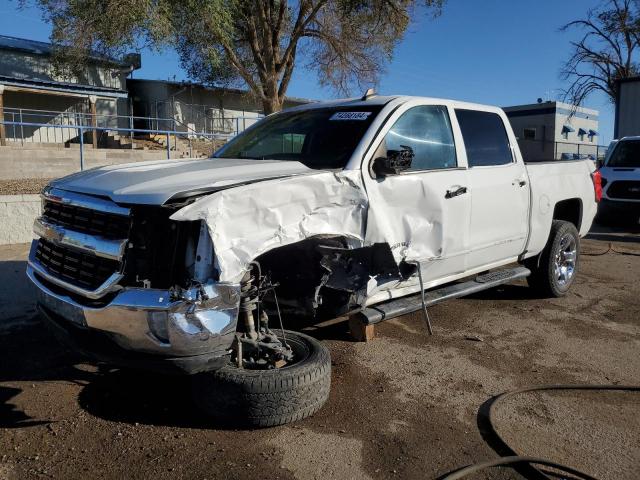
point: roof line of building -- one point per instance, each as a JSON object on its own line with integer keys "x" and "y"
{"x": 64, "y": 87}
{"x": 630, "y": 79}
{"x": 38, "y": 47}
{"x": 187, "y": 83}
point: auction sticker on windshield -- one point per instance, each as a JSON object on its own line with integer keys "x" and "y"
{"x": 350, "y": 116}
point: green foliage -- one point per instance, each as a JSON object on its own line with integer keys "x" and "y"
{"x": 252, "y": 43}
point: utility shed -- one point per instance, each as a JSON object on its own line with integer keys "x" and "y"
{"x": 628, "y": 108}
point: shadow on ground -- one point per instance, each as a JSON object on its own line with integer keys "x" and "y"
{"x": 29, "y": 353}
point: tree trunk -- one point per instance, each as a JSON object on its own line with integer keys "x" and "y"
{"x": 271, "y": 105}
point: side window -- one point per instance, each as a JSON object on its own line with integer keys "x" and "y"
{"x": 427, "y": 131}
{"x": 485, "y": 138}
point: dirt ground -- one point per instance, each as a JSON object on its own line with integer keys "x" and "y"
{"x": 403, "y": 406}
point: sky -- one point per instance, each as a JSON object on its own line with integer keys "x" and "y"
{"x": 497, "y": 52}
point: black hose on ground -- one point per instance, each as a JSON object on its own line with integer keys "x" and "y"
{"x": 608, "y": 250}
{"x": 502, "y": 461}
{"x": 511, "y": 457}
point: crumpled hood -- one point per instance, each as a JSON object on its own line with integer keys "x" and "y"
{"x": 155, "y": 182}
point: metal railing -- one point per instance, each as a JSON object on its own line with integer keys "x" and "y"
{"x": 83, "y": 129}
{"x": 205, "y": 117}
{"x": 545, "y": 150}
{"x": 60, "y": 126}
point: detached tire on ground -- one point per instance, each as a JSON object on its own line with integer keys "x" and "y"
{"x": 555, "y": 269}
{"x": 266, "y": 398}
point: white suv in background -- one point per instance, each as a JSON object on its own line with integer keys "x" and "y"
{"x": 621, "y": 181}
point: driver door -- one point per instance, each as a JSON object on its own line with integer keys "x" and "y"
{"x": 423, "y": 212}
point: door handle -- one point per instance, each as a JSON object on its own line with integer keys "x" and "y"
{"x": 519, "y": 182}
{"x": 455, "y": 191}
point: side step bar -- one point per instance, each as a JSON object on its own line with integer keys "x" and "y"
{"x": 404, "y": 305}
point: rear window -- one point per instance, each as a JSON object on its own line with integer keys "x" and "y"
{"x": 626, "y": 155}
{"x": 485, "y": 138}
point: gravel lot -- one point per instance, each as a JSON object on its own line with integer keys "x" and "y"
{"x": 23, "y": 186}
{"x": 402, "y": 406}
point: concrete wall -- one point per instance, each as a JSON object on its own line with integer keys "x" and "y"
{"x": 16, "y": 163}
{"x": 17, "y": 214}
{"x": 542, "y": 147}
{"x": 628, "y": 109}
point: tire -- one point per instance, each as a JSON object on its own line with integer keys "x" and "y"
{"x": 266, "y": 398}
{"x": 551, "y": 272}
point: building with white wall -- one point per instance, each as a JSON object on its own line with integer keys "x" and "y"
{"x": 555, "y": 131}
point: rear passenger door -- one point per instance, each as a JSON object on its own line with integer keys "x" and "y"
{"x": 498, "y": 184}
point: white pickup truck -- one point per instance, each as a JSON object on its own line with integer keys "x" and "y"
{"x": 370, "y": 207}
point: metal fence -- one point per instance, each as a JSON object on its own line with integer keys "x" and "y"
{"x": 62, "y": 126}
{"x": 538, "y": 150}
{"x": 204, "y": 118}
{"x": 81, "y": 130}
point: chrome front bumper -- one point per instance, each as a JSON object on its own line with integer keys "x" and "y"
{"x": 201, "y": 321}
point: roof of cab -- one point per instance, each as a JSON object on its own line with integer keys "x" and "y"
{"x": 348, "y": 102}
{"x": 384, "y": 99}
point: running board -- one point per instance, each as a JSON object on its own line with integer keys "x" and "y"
{"x": 404, "y": 305}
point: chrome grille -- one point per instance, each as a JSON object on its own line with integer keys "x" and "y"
{"x": 82, "y": 270}
{"x": 85, "y": 220}
{"x": 82, "y": 242}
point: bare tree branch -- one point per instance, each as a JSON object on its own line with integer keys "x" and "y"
{"x": 607, "y": 51}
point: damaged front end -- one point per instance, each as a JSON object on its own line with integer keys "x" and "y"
{"x": 306, "y": 232}
{"x": 153, "y": 302}
{"x": 193, "y": 285}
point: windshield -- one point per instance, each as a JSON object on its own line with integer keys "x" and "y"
{"x": 626, "y": 155}
{"x": 319, "y": 138}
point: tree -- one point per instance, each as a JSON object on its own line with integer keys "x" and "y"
{"x": 254, "y": 43}
{"x": 608, "y": 51}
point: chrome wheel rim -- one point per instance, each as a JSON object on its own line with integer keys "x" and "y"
{"x": 565, "y": 260}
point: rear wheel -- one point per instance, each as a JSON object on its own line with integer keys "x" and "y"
{"x": 555, "y": 269}
{"x": 268, "y": 397}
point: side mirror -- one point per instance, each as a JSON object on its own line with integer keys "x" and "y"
{"x": 600, "y": 163}
{"x": 396, "y": 161}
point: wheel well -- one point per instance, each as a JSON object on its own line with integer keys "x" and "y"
{"x": 569, "y": 210}
{"x": 297, "y": 270}
{"x": 322, "y": 275}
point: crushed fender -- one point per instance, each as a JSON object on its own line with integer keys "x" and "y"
{"x": 247, "y": 221}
